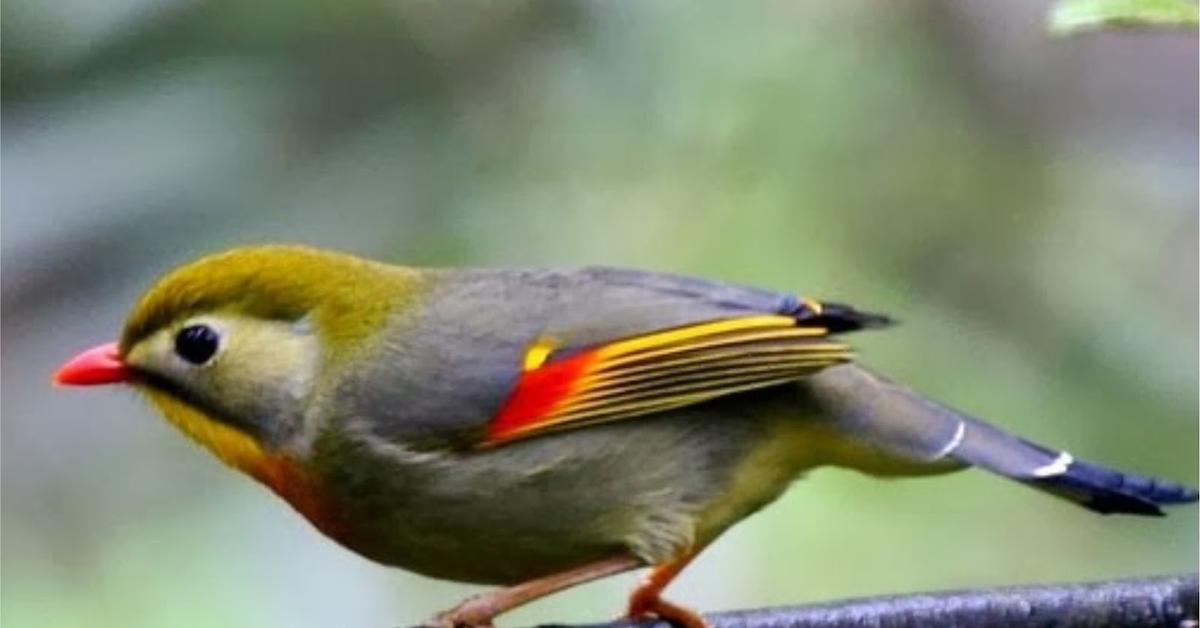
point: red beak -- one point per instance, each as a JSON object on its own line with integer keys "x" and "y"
{"x": 98, "y": 365}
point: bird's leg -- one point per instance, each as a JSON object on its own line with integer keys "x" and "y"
{"x": 646, "y": 598}
{"x": 480, "y": 609}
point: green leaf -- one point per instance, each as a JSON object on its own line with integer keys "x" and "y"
{"x": 1070, "y": 17}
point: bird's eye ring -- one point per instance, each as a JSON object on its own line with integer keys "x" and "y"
{"x": 197, "y": 343}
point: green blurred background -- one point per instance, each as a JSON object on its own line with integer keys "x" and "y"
{"x": 1027, "y": 207}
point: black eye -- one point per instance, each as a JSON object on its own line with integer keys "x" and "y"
{"x": 196, "y": 343}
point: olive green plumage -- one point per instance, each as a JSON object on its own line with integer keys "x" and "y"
{"x": 348, "y": 297}
{"x": 370, "y": 389}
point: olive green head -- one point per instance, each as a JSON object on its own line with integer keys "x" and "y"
{"x": 346, "y": 295}
{"x": 244, "y": 337}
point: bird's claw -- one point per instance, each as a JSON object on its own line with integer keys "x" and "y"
{"x": 473, "y": 612}
{"x": 652, "y": 606}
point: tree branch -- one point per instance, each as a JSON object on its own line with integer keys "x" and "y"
{"x": 1168, "y": 601}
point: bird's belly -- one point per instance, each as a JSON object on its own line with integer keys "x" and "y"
{"x": 654, "y": 487}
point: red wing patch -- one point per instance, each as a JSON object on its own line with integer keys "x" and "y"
{"x": 658, "y": 371}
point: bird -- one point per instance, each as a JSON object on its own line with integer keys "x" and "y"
{"x": 536, "y": 429}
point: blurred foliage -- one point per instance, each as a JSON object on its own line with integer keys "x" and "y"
{"x": 1078, "y": 16}
{"x": 1027, "y": 209}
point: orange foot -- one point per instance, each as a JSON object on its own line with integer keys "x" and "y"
{"x": 646, "y": 600}
{"x": 674, "y": 614}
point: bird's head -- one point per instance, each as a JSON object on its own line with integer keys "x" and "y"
{"x": 231, "y": 347}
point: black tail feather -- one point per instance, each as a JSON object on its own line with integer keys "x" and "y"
{"x": 1108, "y": 491}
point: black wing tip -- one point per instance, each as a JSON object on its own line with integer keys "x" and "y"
{"x": 838, "y": 318}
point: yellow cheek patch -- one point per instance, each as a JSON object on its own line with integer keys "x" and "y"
{"x": 231, "y": 445}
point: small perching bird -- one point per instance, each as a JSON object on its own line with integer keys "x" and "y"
{"x": 539, "y": 428}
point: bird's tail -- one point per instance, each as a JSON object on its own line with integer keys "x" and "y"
{"x": 905, "y": 427}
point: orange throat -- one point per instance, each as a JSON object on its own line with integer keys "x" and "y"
{"x": 288, "y": 479}
{"x": 281, "y": 473}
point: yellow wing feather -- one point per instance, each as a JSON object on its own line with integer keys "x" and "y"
{"x": 660, "y": 370}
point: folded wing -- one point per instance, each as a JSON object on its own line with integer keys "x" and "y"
{"x": 659, "y": 370}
